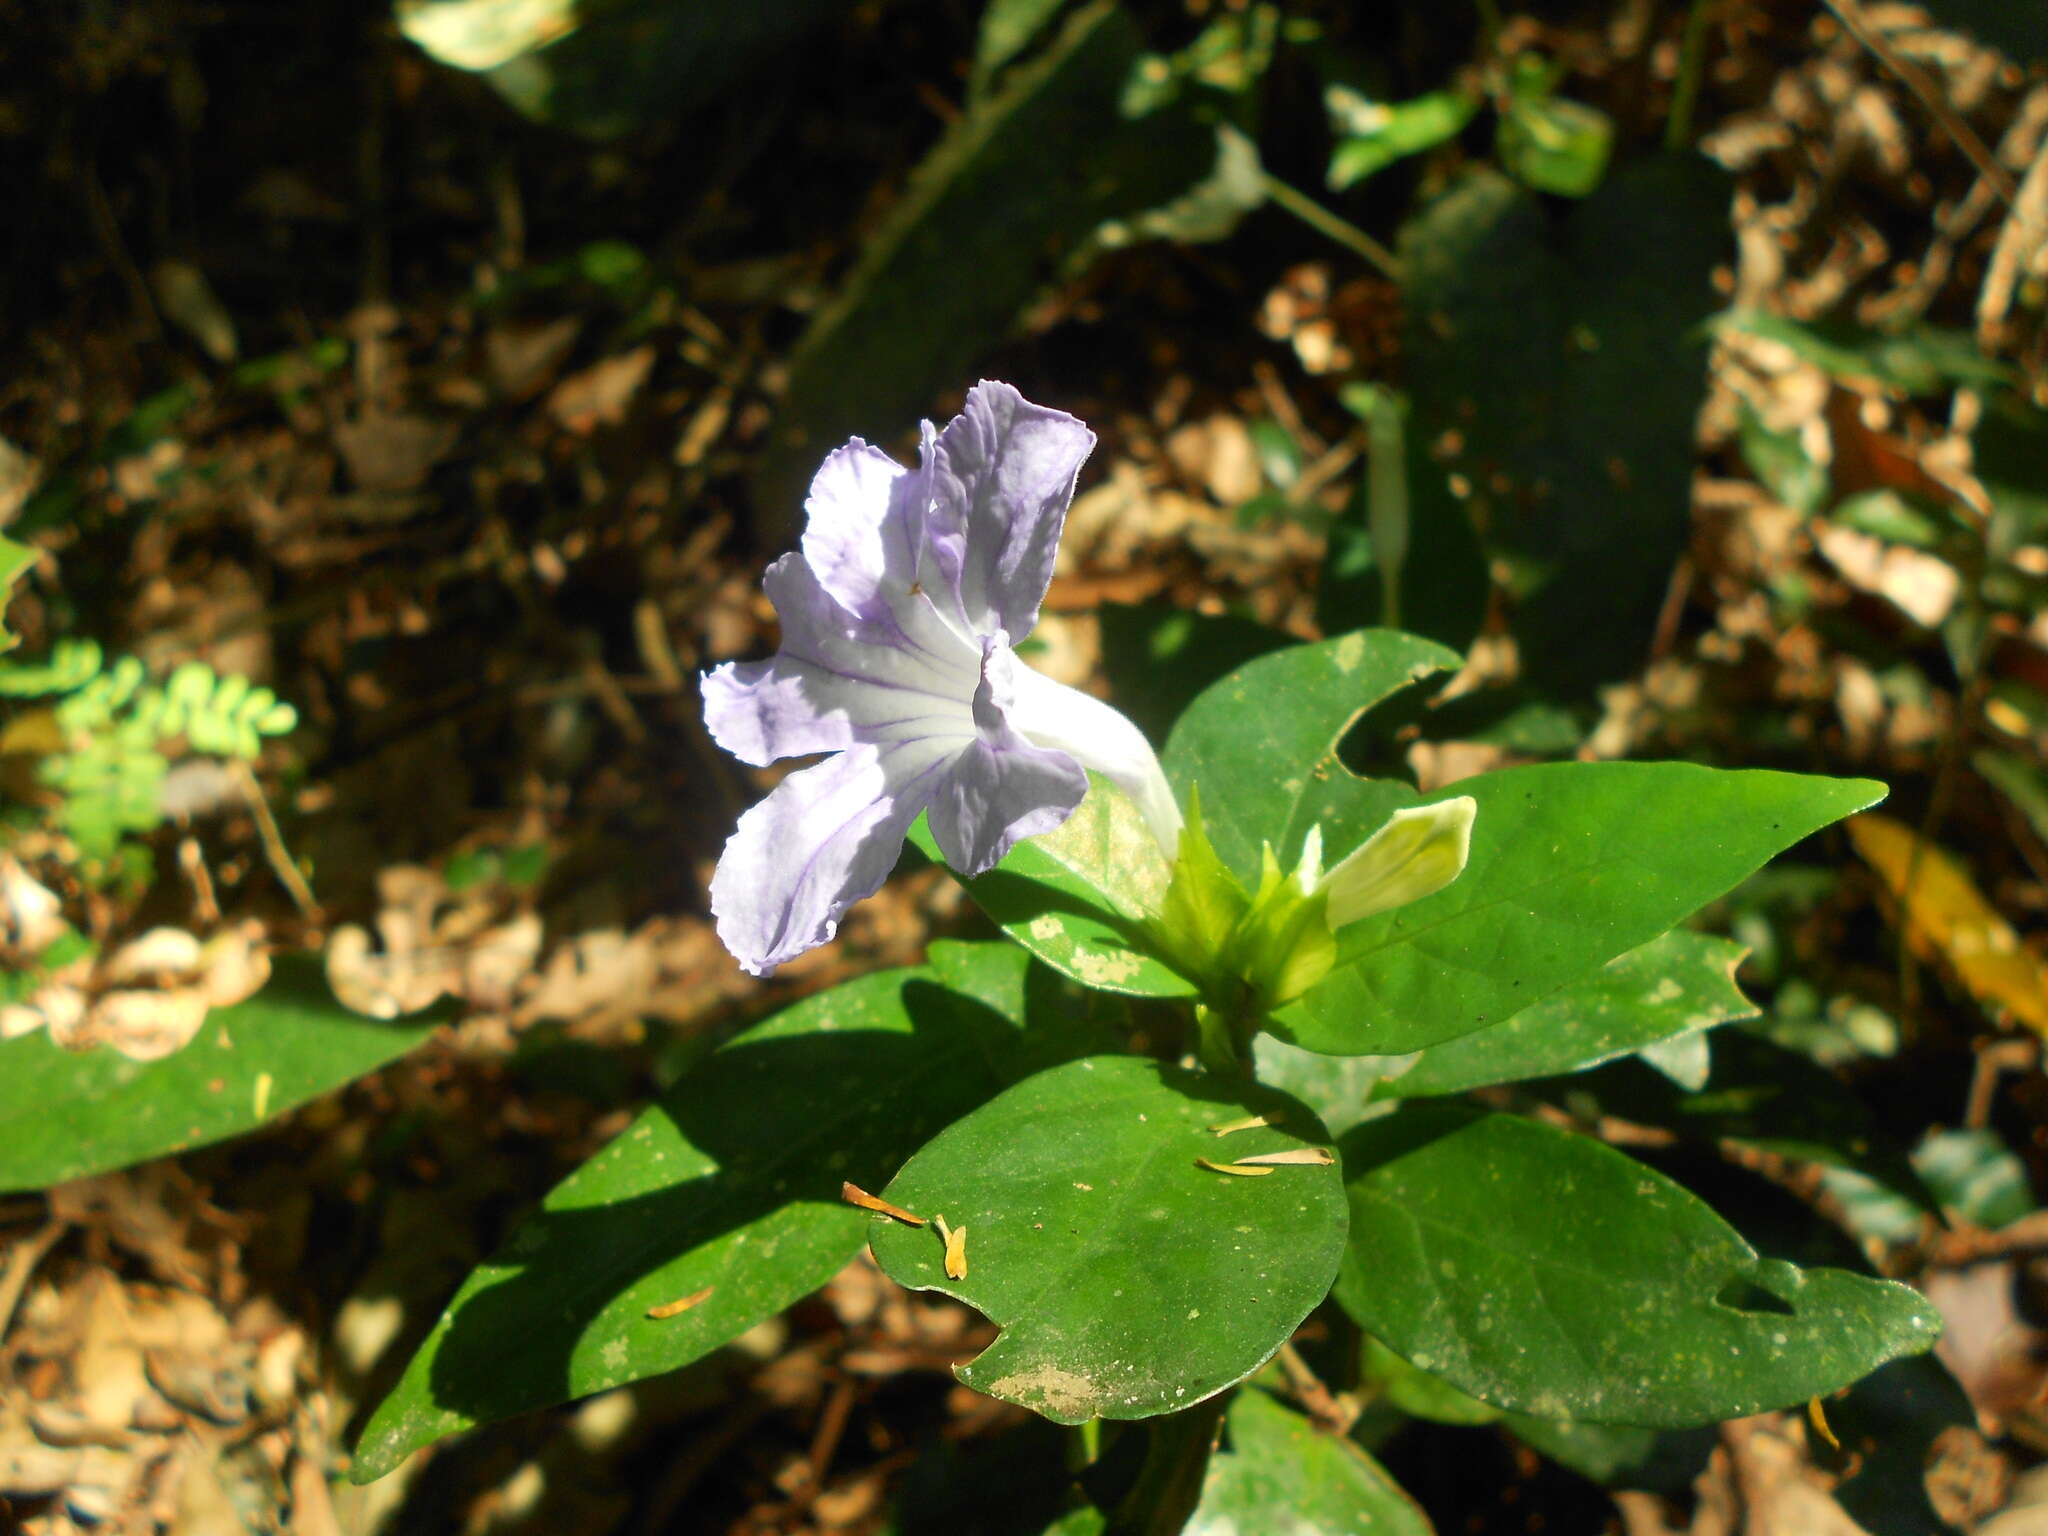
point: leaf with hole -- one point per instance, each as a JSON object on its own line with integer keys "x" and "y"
{"x": 1546, "y": 1272}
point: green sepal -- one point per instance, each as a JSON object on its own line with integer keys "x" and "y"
{"x": 1204, "y": 904}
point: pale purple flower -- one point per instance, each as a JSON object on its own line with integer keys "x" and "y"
{"x": 898, "y": 617}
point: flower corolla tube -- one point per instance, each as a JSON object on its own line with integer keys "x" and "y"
{"x": 899, "y": 613}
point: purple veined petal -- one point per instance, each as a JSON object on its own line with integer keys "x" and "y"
{"x": 918, "y": 653}
{"x": 1003, "y": 473}
{"x": 856, "y": 532}
{"x": 825, "y": 838}
{"x": 763, "y": 711}
{"x": 994, "y": 796}
{"x": 1000, "y": 788}
{"x": 1100, "y": 738}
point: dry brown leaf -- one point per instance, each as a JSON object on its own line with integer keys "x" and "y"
{"x": 146, "y": 1024}
{"x": 1918, "y": 584}
{"x": 158, "y": 955}
{"x": 599, "y": 395}
{"x": 393, "y": 453}
{"x": 1946, "y": 918}
{"x": 31, "y": 915}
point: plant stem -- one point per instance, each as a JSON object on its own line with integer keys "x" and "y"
{"x": 1685, "y": 94}
{"x": 1324, "y": 222}
{"x": 1169, "y": 1485}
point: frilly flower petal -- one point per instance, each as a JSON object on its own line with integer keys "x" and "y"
{"x": 825, "y": 838}
{"x": 1003, "y": 475}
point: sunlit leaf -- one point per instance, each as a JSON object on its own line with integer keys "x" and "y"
{"x": 1543, "y": 1271}
{"x": 1128, "y": 1280}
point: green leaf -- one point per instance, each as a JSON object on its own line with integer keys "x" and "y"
{"x": 14, "y": 559}
{"x": 1262, "y": 745}
{"x": 1555, "y": 374}
{"x": 1282, "y": 1473}
{"x": 1545, "y": 1272}
{"x": 66, "y": 1114}
{"x": 1555, "y": 145}
{"x": 1127, "y": 1280}
{"x": 1074, "y": 897}
{"x": 1376, "y": 134}
{"x": 1674, "y": 985}
{"x": 1572, "y": 864}
{"x": 730, "y": 1183}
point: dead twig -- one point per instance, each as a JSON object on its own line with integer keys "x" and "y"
{"x": 274, "y": 850}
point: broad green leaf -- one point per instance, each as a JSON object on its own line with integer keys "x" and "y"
{"x": 1128, "y": 1280}
{"x": 1262, "y": 745}
{"x": 1672, "y": 986}
{"x": 1669, "y": 987}
{"x": 1572, "y": 865}
{"x": 65, "y": 1114}
{"x": 14, "y": 559}
{"x": 1762, "y": 1095}
{"x": 1283, "y": 1474}
{"x": 729, "y": 1184}
{"x": 1546, "y": 1272}
{"x": 1012, "y": 190}
{"x": 1554, "y": 367}
{"x": 1414, "y": 1391}
{"x": 1074, "y": 896}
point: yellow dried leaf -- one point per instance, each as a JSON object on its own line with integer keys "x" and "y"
{"x": 1946, "y": 918}
{"x": 1313, "y": 1157}
{"x": 853, "y": 1194}
{"x": 1239, "y": 1170}
{"x": 670, "y": 1309}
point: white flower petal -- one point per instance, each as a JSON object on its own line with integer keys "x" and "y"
{"x": 1098, "y": 737}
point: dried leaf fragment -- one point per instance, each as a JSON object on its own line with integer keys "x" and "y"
{"x": 1946, "y": 917}
{"x": 853, "y": 1194}
{"x": 1248, "y": 1123}
{"x": 955, "y": 1239}
{"x": 1313, "y": 1157}
{"x": 670, "y": 1309}
{"x": 1232, "y": 1168}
